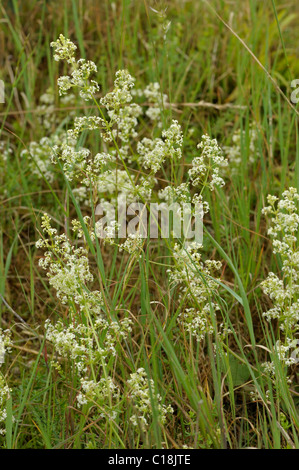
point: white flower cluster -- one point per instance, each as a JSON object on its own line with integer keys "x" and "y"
{"x": 284, "y": 229}
{"x": 189, "y": 267}
{"x": 153, "y": 152}
{"x": 121, "y": 126}
{"x": 284, "y": 352}
{"x": 172, "y": 194}
{"x": 75, "y": 160}
{"x": 67, "y": 267}
{"x": 97, "y": 392}
{"x": 182, "y": 195}
{"x": 118, "y": 182}
{"x": 89, "y": 340}
{"x": 64, "y": 49}
{"x": 205, "y": 168}
{"x": 87, "y": 346}
{"x": 108, "y": 232}
{"x": 284, "y": 292}
{"x": 120, "y": 110}
{"x": 196, "y": 322}
{"x": 90, "y": 346}
{"x": 5, "y": 347}
{"x": 133, "y": 244}
{"x": 84, "y": 123}
{"x": 78, "y": 163}
{"x": 4, "y": 396}
{"x": 5, "y": 343}
{"x": 40, "y": 155}
{"x": 196, "y": 285}
{"x": 194, "y": 277}
{"x": 81, "y": 70}
{"x": 78, "y": 230}
{"x": 140, "y": 395}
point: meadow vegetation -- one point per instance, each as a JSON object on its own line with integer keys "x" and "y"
{"x": 133, "y": 342}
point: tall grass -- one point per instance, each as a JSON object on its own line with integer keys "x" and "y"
{"x": 216, "y": 86}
